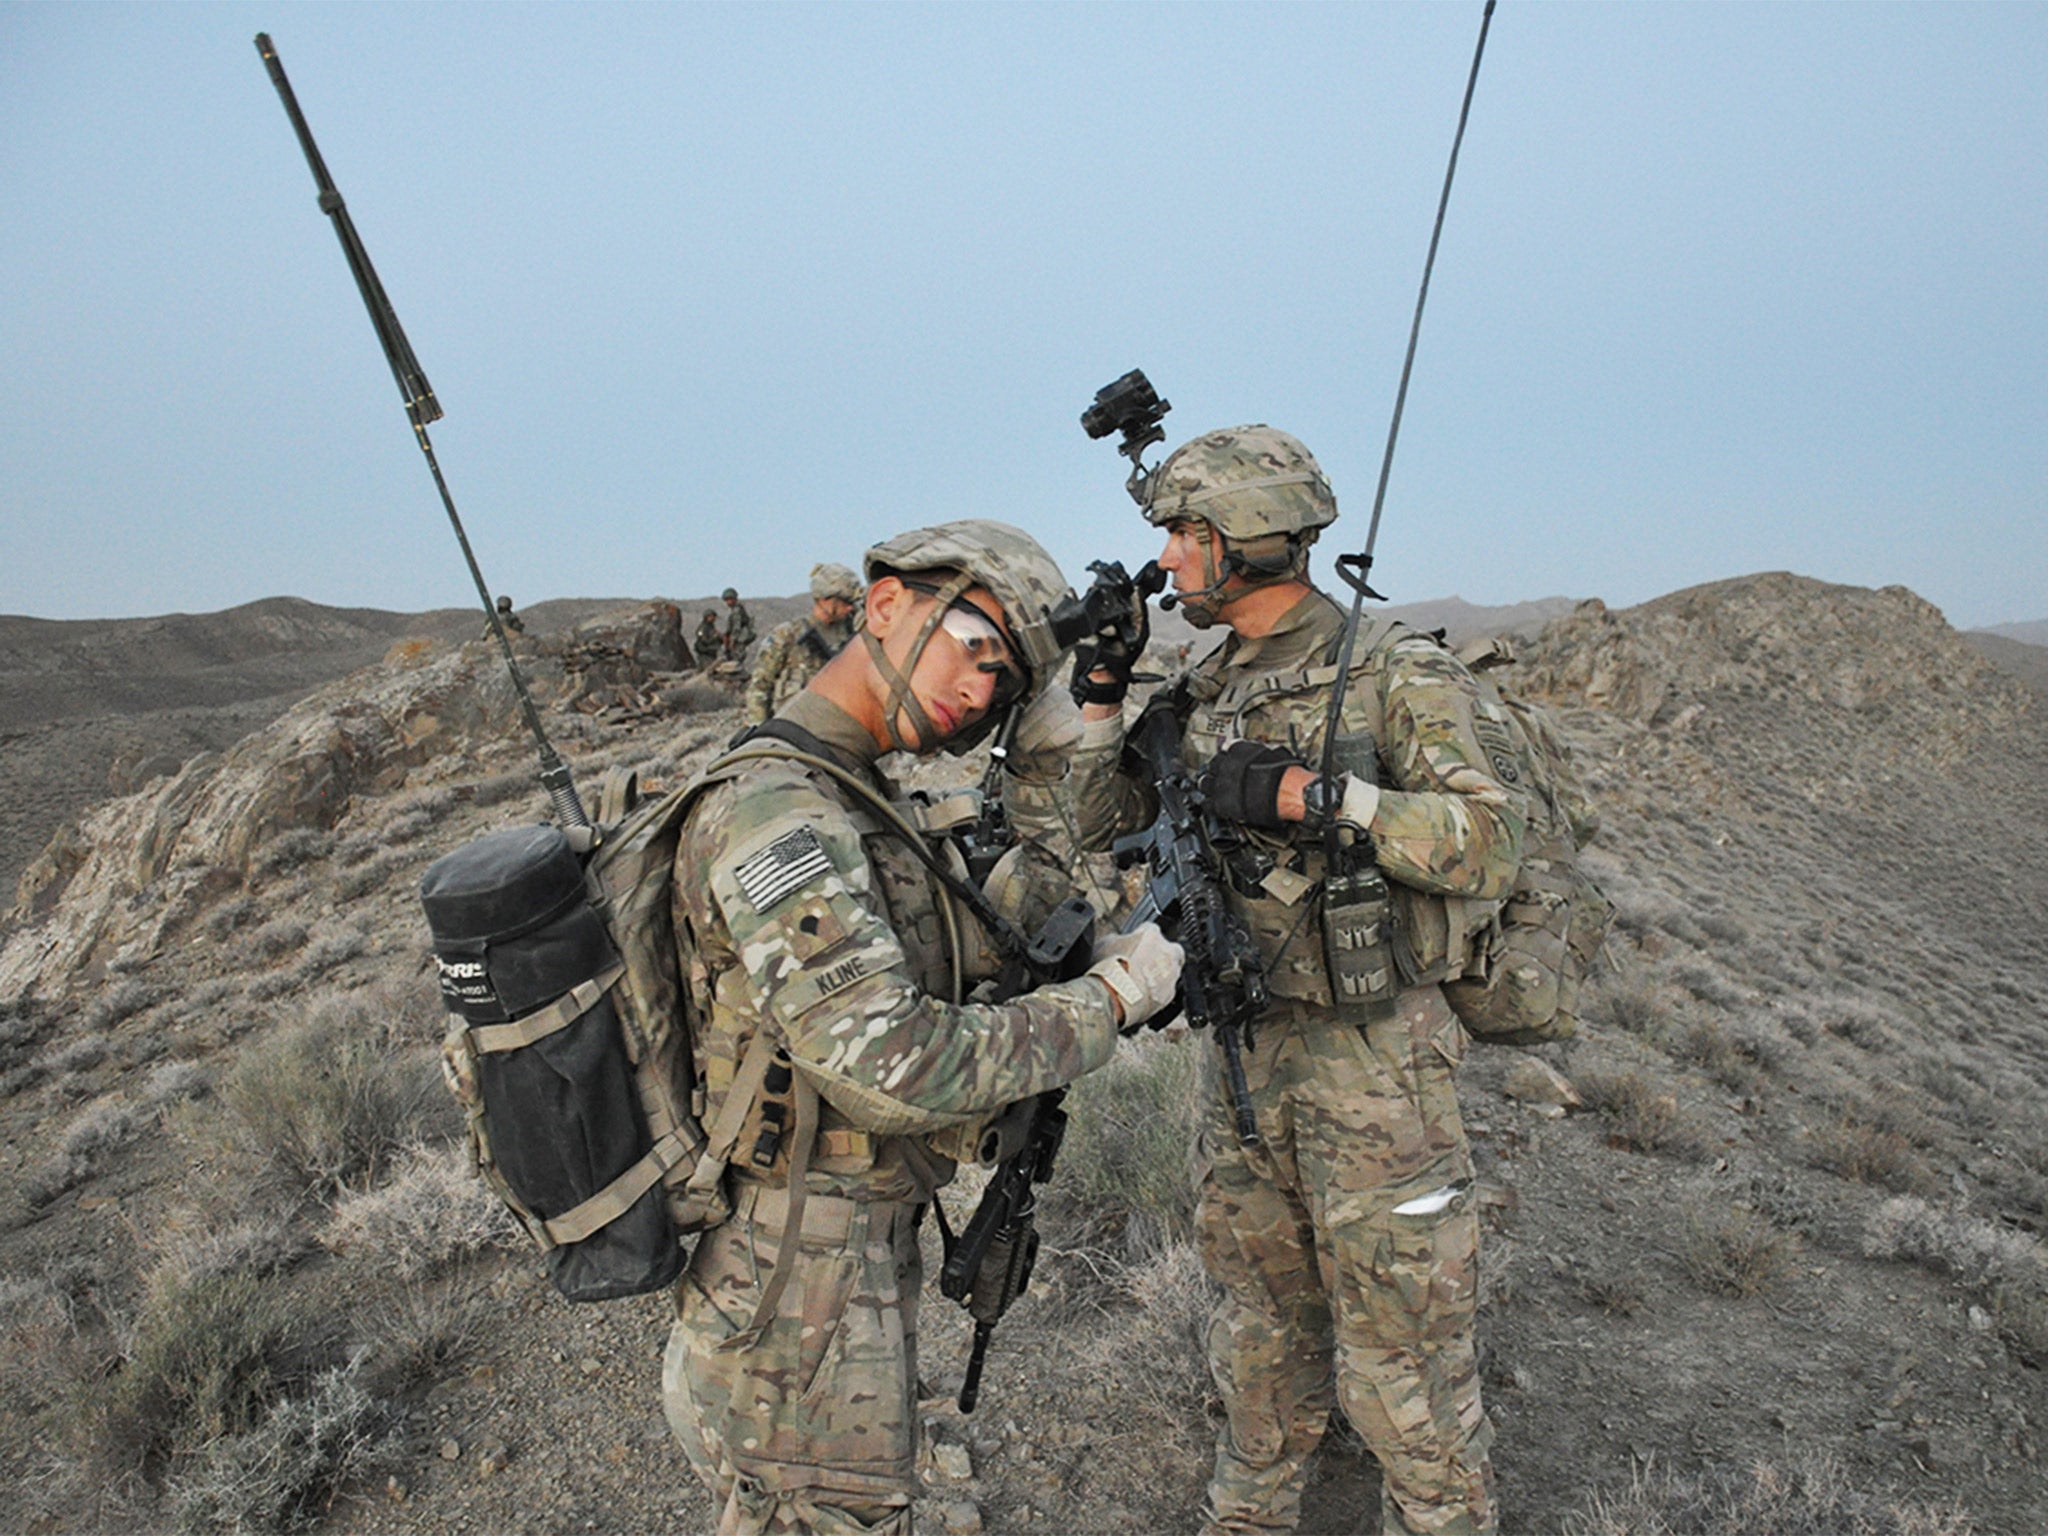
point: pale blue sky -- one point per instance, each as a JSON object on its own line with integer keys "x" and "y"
{"x": 711, "y": 292}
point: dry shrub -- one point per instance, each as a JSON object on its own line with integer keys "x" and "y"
{"x": 1852, "y": 1148}
{"x": 1634, "y": 1000}
{"x": 174, "y": 1082}
{"x": 197, "y": 1244}
{"x": 292, "y": 850}
{"x": 277, "y": 938}
{"x": 122, "y": 1001}
{"x": 1646, "y": 1116}
{"x": 421, "y": 1332}
{"x": 1812, "y": 1496}
{"x": 1149, "y": 1370}
{"x": 1982, "y": 1254}
{"x": 203, "y": 1360}
{"x": 500, "y": 787}
{"x": 1728, "y": 1058}
{"x": 1734, "y": 1250}
{"x": 373, "y": 874}
{"x": 325, "y": 1101}
{"x": 1123, "y": 1169}
{"x": 281, "y": 1474}
{"x": 433, "y": 1211}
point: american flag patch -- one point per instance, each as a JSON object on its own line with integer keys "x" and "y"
{"x": 785, "y": 865}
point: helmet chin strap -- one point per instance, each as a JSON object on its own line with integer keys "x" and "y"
{"x": 1202, "y": 614}
{"x": 900, "y": 697}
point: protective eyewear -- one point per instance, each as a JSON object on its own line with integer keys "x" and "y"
{"x": 986, "y": 645}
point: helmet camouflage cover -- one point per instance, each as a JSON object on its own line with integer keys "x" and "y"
{"x": 1249, "y": 481}
{"x": 1022, "y": 577}
{"x": 832, "y": 580}
{"x": 730, "y": 593}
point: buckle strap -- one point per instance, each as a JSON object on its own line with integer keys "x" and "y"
{"x": 617, "y": 1197}
{"x": 554, "y": 1018}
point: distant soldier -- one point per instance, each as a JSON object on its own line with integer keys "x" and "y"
{"x": 707, "y": 644}
{"x": 511, "y": 621}
{"x": 739, "y": 626}
{"x": 793, "y": 651}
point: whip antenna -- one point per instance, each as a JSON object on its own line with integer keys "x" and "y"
{"x": 421, "y": 408}
{"x": 1354, "y": 570}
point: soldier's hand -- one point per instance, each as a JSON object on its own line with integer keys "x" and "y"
{"x": 1243, "y": 783}
{"x": 1142, "y": 968}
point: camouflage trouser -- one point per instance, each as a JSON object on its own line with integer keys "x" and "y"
{"x": 1332, "y": 1296}
{"x": 813, "y": 1425}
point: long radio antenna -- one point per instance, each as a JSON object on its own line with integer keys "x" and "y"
{"x": 421, "y": 408}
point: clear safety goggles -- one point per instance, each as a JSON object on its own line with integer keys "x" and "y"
{"x": 985, "y": 644}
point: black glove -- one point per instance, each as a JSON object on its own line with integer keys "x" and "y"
{"x": 1243, "y": 783}
{"x": 1110, "y": 657}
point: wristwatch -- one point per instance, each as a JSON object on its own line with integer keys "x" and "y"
{"x": 1320, "y": 798}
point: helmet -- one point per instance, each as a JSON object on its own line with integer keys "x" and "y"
{"x": 829, "y": 580}
{"x": 1248, "y": 481}
{"x": 504, "y": 603}
{"x": 730, "y": 594}
{"x": 1014, "y": 567}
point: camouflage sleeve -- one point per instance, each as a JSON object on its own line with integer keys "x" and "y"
{"x": 1062, "y": 791}
{"x": 1449, "y": 822}
{"x": 767, "y": 668}
{"x": 784, "y": 866}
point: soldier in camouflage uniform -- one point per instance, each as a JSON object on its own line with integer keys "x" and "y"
{"x": 1346, "y": 1243}
{"x": 739, "y": 626}
{"x": 707, "y": 644}
{"x": 791, "y": 1372}
{"x": 793, "y": 652}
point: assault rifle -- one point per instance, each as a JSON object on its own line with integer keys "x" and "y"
{"x": 988, "y": 1266}
{"x": 1223, "y": 985}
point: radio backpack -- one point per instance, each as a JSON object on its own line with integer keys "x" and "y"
{"x": 568, "y": 1043}
{"x": 1524, "y": 988}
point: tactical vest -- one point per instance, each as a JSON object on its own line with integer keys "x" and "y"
{"x": 1434, "y": 936}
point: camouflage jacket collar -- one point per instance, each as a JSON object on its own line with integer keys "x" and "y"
{"x": 1303, "y": 636}
{"x": 835, "y": 729}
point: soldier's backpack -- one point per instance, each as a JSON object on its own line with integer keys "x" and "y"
{"x": 1524, "y": 987}
{"x": 568, "y": 1044}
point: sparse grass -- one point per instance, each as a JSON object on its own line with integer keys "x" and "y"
{"x": 198, "y": 1244}
{"x": 176, "y": 1081}
{"x": 1123, "y": 1170}
{"x": 373, "y": 874}
{"x": 500, "y": 787}
{"x": 1733, "y": 1250}
{"x": 433, "y": 1211}
{"x": 233, "y": 915}
{"x": 1810, "y": 1496}
{"x": 424, "y": 1330}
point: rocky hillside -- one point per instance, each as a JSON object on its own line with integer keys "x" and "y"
{"x": 1765, "y": 1244}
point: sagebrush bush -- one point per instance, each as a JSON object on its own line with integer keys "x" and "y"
{"x": 432, "y": 1211}
{"x": 203, "y": 1360}
{"x": 292, "y": 850}
{"x": 281, "y": 1474}
{"x": 196, "y": 1244}
{"x": 323, "y": 1101}
{"x": 277, "y": 938}
{"x": 121, "y": 1001}
{"x": 1634, "y": 1000}
{"x": 1980, "y": 1253}
{"x": 423, "y": 1330}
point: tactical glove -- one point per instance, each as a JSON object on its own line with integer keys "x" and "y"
{"x": 1242, "y": 784}
{"x": 1142, "y": 968}
{"x": 1047, "y": 733}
